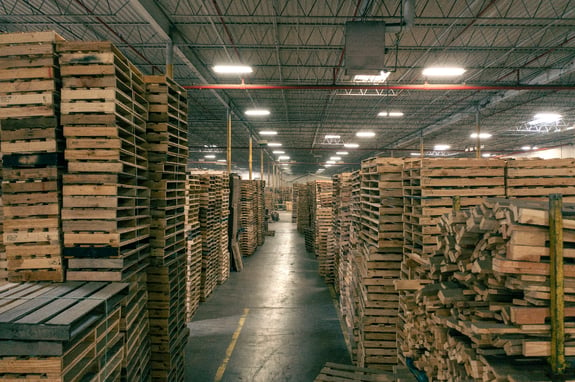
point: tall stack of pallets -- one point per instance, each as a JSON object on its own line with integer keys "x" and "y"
{"x": 248, "y": 224}
{"x": 194, "y": 247}
{"x": 341, "y": 229}
{"x": 431, "y": 188}
{"x": 322, "y": 217}
{"x": 261, "y": 226}
{"x": 537, "y": 178}
{"x": 31, "y": 144}
{"x": 61, "y": 332}
{"x": 3, "y": 260}
{"x": 295, "y": 193}
{"x": 105, "y": 214}
{"x": 303, "y": 208}
{"x": 224, "y": 251}
{"x": 379, "y": 260}
{"x": 167, "y": 145}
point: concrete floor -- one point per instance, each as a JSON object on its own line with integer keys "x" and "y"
{"x": 274, "y": 321}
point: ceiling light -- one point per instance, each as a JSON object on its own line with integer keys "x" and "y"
{"x": 341, "y": 153}
{"x": 481, "y": 135}
{"x": 534, "y": 148}
{"x": 257, "y": 112}
{"x": 415, "y": 154}
{"x": 486, "y": 155}
{"x": 379, "y": 78}
{"x": 328, "y": 165}
{"x": 335, "y": 158}
{"x": 285, "y": 164}
{"x": 283, "y": 157}
{"x": 210, "y": 156}
{"x": 390, "y": 114}
{"x": 278, "y": 152}
{"x": 545, "y": 118}
{"x": 320, "y": 170}
{"x": 274, "y": 144}
{"x": 441, "y": 147}
{"x": 331, "y": 136}
{"x": 365, "y": 134}
{"x": 330, "y": 162}
{"x": 268, "y": 132}
{"x": 443, "y": 72}
{"x": 221, "y": 160}
{"x": 526, "y": 148}
{"x": 351, "y": 145}
{"x": 232, "y": 69}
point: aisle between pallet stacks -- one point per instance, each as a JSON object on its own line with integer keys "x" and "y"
{"x": 275, "y": 321}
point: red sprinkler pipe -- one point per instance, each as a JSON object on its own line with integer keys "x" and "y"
{"x": 383, "y": 87}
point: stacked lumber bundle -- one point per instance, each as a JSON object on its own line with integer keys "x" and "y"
{"x": 322, "y": 219}
{"x": 61, "y": 332}
{"x": 341, "y": 228}
{"x": 261, "y": 226}
{"x": 248, "y": 238}
{"x": 167, "y": 147}
{"x": 194, "y": 247}
{"x": 379, "y": 255}
{"x": 430, "y": 186}
{"x": 224, "y": 261}
{"x": 486, "y": 317}
{"x": 3, "y": 260}
{"x": 105, "y": 213}
{"x": 31, "y": 143}
{"x": 537, "y": 178}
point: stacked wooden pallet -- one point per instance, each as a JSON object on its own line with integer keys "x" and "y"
{"x": 194, "y": 248}
{"x": 322, "y": 215}
{"x": 61, "y": 332}
{"x": 261, "y": 226}
{"x": 3, "y": 260}
{"x": 537, "y": 178}
{"x": 341, "y": 228}
{"x": 379, "y": 255}
{"x": 224, "y": 251}
{"x": 303, "y": 208}
{"x": 333, "y": 372}
{"x": 295, "y": 193}
{"x": 167, "y": 147}
{"x": 105, "y": 213}
{"x": 31, "y": 141}
{"x": 430, "y": 186}
{"x": 248, "y": 225}
{"x": 486, "y": 319}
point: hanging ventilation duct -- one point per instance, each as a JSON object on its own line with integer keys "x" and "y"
{"x": 364, "y": 47}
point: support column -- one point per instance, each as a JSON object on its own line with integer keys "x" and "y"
{"x": 229, "y": 148}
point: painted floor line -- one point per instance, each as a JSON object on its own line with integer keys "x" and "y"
{"x": 231, "y": 347}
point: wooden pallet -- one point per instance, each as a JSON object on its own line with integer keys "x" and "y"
{"x": 333, "y": 372}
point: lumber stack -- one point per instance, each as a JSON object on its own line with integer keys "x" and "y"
{"x": 537, "y": 178}
{"x": 341, "y": 228}
{"x": 260, "y": 212}
{"x": 105, "y": 215}
{"x": 295, "y": 192}
{"x": 61, "y": 332}
{"x": 3, "y": 260}
{"x": 487, "y": 317}
{"x": 167, "y": 147}
{"x": 303, "y": 208}
{"x": 322, "y": 218}
{"x": 430, "y": 186}
{"x": 224, "y": 251}
{"x": 194, "y": 247}
{"x": 379, "y": 255}
{"x": 248, "y": 238}
{"x": 31, "y": 143}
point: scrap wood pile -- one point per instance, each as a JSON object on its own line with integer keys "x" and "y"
{"x": 484, "y": 316}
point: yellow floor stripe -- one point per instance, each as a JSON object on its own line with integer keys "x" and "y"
{"x": 231, "y": 346}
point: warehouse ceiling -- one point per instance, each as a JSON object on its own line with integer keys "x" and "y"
{"x": 518, "y": 56}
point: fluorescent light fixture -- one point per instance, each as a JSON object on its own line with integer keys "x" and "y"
{"x": 526, "y": 148}
{"x": 441, "y": 147}
{"x": 221, "y": 160}
{"x": 341, "y": 153}
{"x": 320, "y": 170}
{"x": 534, "y": 148}
{"x": 330, "y": 162}
{"x": 390, "y": 114}
{"x": 378, "y": 78}
{"x": 332, "y": 136}
{"x": 278, "y": 152}
{"x": 442, "y": 72}
{"x": 481, "y": 135}
{"x": 257, "y": 112}
{"x": 232, "y": 69}
{"x": 486, "y": 155}
{"x": 415, "y": 154}
{"x": 335, "y": 158}
{"x": 351, "y": 145}
{"x": 210, "y": 156}
{"x": 285, "y": 164}
{"x": 365, "y": 134}
{"x": 274, "y": 144}
{"x": 268, "y": 132}
{"x": 545, "y": 118}
{"x": 327, "y": 165}
{"x": 283, "y": 157}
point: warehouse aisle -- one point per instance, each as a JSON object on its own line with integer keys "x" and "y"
{"x": 280, "y": 312}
